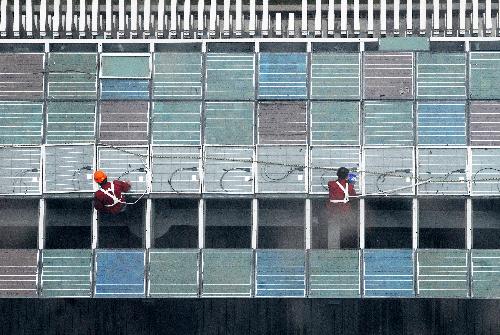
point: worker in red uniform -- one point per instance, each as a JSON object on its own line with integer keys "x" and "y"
{"x": 339, "y": 213}
{"x": 109, "y": 197}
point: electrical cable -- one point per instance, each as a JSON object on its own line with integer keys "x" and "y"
{"x": 169, "y": 181}
{"x": 474, "y": 177}
{"x": 381, "y": 175}
{"x": 226, "y": 171}
{"x": 19, "y": 179}
{"x": 77, "y": 178}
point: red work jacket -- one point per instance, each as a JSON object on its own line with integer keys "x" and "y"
{"x": 101, "y": 199}
{"x": 336, "y": 193}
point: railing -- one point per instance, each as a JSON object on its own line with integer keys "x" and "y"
{"x": 173, "y": 19}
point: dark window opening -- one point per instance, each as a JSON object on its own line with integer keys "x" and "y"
{"x": 18, "y": 224}
{"x": 441, "y": 223}
{"x": 486, "y": 224}
{"x": 335, "y": 225}
{"x": 281, "y": 224}
{"x": 68, "y": 224}
{"x": 388, "y": 223}
{"x": 124, "y": 230}
{"x": 175, "y": 223}
{"x": 228, "y": 223}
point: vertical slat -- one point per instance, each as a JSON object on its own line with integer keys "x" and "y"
{"x": 409, "y": 17}
{"x": 57, "y": 17}
{"x": 317, "y": 16}
{"x": 69, "y": 16}
{"x": 109, "y": 17}
{"x": 121, "y": 16}
{"x": 343, "y": 16}
{"x": 200, "y": 16}
{"x": 488, "y": 23}
{"x": 462, "y": 16}
{"x": 435, "y": 17}
{"x": 331, "y": 17}
{"x": 133, "y": 17}
{"x": 147, "y": 17}
{"x": 238, "y": 23}
{"x": 291, "y": 24}
{"x": 227, "y": 3}
{"x": 29, "y": 18}
{"x": 3, "y": 17}
{"x": 449, "y": 16}
{"x": 357, "y": 26}
{"x": 423, "y": 16}
{"x": 304, "y": 17}
{"x": 16, "y": 26}
{"x": 265, "y": 17}
{"x": 475, "y": 16}
{"x": 95, "y": 16}
{"x": 213, "y": 17}
{"x": 83, "y": 16}
{"x": 43, "y": 15}
{"x": 251, "y": 22}
{"x": 278, "y": 24}
{"x": 396, "y": 17}
{"x": 173, "y": 17}
{"x": 187, "y": 17}
{"x": 370, "y": 17}
{"x": 383, "y": 17}
{"x": 161, "y": 17}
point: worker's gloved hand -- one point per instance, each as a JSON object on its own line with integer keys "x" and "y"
{"x": 128, "y": 182}
{"x": 352, "y": 178}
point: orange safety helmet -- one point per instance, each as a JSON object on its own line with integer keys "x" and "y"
{"x": 100, "y": 176}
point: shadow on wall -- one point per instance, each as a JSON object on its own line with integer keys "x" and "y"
{"x": 68, "y": 224}
{"x": 18, "y": 223}
{"x": 175, "y": 223}
{"x": 125, "y": 230}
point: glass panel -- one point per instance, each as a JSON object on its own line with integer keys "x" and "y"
{"x": 335, "y": 226}
{"x": 125, "y": 230}
{"x": 388, "y": 75}
{"x": 68, "y": 224}
{"x": 486, "y": 223}
{"x": 18, "y": 224}
{"x": 175, "y": 223}
{"x": 228, "y": 223}
{"x": 281, "y": 224}
{"x": 441, "y": 223}
{"x": 388, "y": 223}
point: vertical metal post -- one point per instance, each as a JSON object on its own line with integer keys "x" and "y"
{"x": 148, "y": 222}
{"x": 42, "y": 206}
{"x": 415, "y": 223}
{"x": 468, "y": 232}
{"x": 469, "y": 241}
{"x": 201, "y": 224}
{"x": 308, "y": 223}
{"x": 255, "y": 219}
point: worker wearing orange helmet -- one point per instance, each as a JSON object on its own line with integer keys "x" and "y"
{"x": 109, "y": 197}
